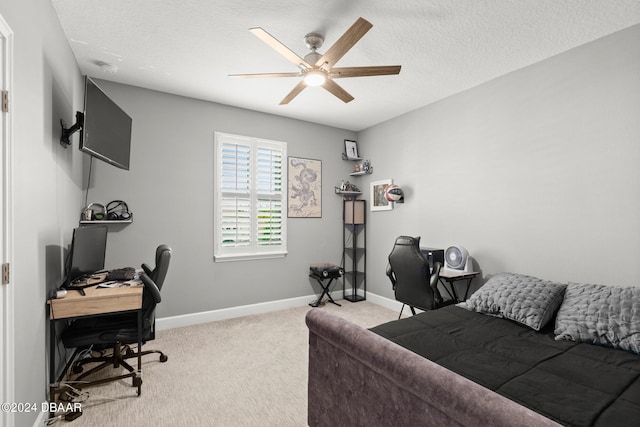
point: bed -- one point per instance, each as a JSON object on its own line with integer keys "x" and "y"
{"x": 521, "y": 351}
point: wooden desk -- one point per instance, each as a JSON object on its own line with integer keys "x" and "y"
{"x": 96, "y": 301}
{"x": 452, "y": 276}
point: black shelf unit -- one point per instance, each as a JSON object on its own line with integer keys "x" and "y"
{"x": 354, "y": 247}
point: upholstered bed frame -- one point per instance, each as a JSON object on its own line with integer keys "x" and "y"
{"x": 527, "y": 344}
{"x": 358, "y": 378}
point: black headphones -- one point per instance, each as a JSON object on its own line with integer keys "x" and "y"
{"x": 118, "y": 210}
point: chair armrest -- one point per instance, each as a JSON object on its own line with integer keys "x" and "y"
{"x": 150, "y": 286}
{"x": 391, "y": 276}
{"x": 147, "y": 269}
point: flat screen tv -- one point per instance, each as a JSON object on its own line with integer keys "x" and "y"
{"x": 106, "y": 133}
{"x": 88, "y": 249}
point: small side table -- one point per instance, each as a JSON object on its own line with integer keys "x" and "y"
{"x": 452, "y": 276}
{"x": 325, "y": 283}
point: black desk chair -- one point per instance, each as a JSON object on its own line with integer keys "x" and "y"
{"x": 414, "y": 283}
{"x": 119, "y": 332}
{"x": 158, "y": 274}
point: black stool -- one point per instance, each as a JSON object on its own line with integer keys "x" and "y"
{"x": 325, "y": 289}
{"x": 322, "y": 273}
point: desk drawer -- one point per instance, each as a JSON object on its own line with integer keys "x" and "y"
{"x": 76, "y": 305}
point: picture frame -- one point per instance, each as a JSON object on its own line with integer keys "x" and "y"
{"x": 351, "y": 149}
{"x": 304, "y": 188}
{"x": 378, "y": 201}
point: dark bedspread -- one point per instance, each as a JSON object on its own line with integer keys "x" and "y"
{"x": 573, "y": 384}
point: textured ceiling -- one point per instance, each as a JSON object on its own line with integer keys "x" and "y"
{"x": 189, "y": 47}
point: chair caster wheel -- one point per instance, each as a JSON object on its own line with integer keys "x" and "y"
{"x": 137, "y": 382}
{"x": 163, "y": 358}
{"x": 77, "y": 369}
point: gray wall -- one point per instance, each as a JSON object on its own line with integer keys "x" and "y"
{"x": 534, "y": 172}
{"x": 47, "y": 182}
{"x": 169, "y": 189}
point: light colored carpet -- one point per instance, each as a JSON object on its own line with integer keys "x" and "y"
{"x": 247, "y": 371}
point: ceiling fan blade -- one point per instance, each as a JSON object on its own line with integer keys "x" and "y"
{"x": 337, "y": 90}
{"x": 279, "y": 47}
{"x": 384, "y": 70}
{"x": 296, "y": 90}
{"x": 344, "y": 43}
{"x": 261, "y": 75}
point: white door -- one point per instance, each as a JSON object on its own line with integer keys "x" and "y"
{"x": 6, "y": 291}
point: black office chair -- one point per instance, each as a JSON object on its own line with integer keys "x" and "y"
{"x": 119, "y": 332}
{"x": 414, "y": 282}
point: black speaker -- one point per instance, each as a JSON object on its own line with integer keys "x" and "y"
{"x": 433, "y": 255}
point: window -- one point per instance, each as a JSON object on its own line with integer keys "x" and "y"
{"x": 250, "y": 198}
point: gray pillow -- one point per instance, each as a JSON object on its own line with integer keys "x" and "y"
{"x": 598, "y": 314}
{"x": 524, "y": 299}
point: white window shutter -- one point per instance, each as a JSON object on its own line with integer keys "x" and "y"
{"x": 250, "y": 198}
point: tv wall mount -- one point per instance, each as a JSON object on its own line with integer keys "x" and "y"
{"x": 65, "y": 138}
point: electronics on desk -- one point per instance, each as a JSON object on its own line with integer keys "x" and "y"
{"x": 433, "y": 255}
{"x": 122, "y": 274}
{"x": 86, "y": 257}
{"x": 457, "y": 259}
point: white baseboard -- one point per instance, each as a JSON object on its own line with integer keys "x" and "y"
{"x": 263, "y": 307}
{"x": 239, "y": 311}
{"x": 385, "y": 302}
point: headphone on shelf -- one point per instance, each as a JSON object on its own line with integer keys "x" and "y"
{"x": 94, "y": 212}
{"x": 118, "y": 210}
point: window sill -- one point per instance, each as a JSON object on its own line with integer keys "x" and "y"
{"x": 248, "y": 257}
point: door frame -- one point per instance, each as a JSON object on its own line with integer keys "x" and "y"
{"x": 7, "y": 324}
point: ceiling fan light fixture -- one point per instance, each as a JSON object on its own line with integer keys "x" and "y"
{"x": 317, "y": 69}
{"x": 314, "y": 78}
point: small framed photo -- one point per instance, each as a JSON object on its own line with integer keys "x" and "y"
{"x": 378, "y": 201}
{"x": 351, "y": 149}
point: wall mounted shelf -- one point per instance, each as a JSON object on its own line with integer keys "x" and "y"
{"x": 108, "y": 221}
{"x": 352, "y": 159}
{"x": 361, "y": 173}
{"x": 349, "y": 193}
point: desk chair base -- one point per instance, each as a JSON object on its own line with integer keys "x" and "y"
{"x": 115, "y": 360}
{"x": 413, "y": 310}
{"x": 131, "y": 353}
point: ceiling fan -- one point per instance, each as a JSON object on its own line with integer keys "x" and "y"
{"x": 317, "y": 69}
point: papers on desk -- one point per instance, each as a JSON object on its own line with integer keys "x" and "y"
{"x": 117, "y": 284}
